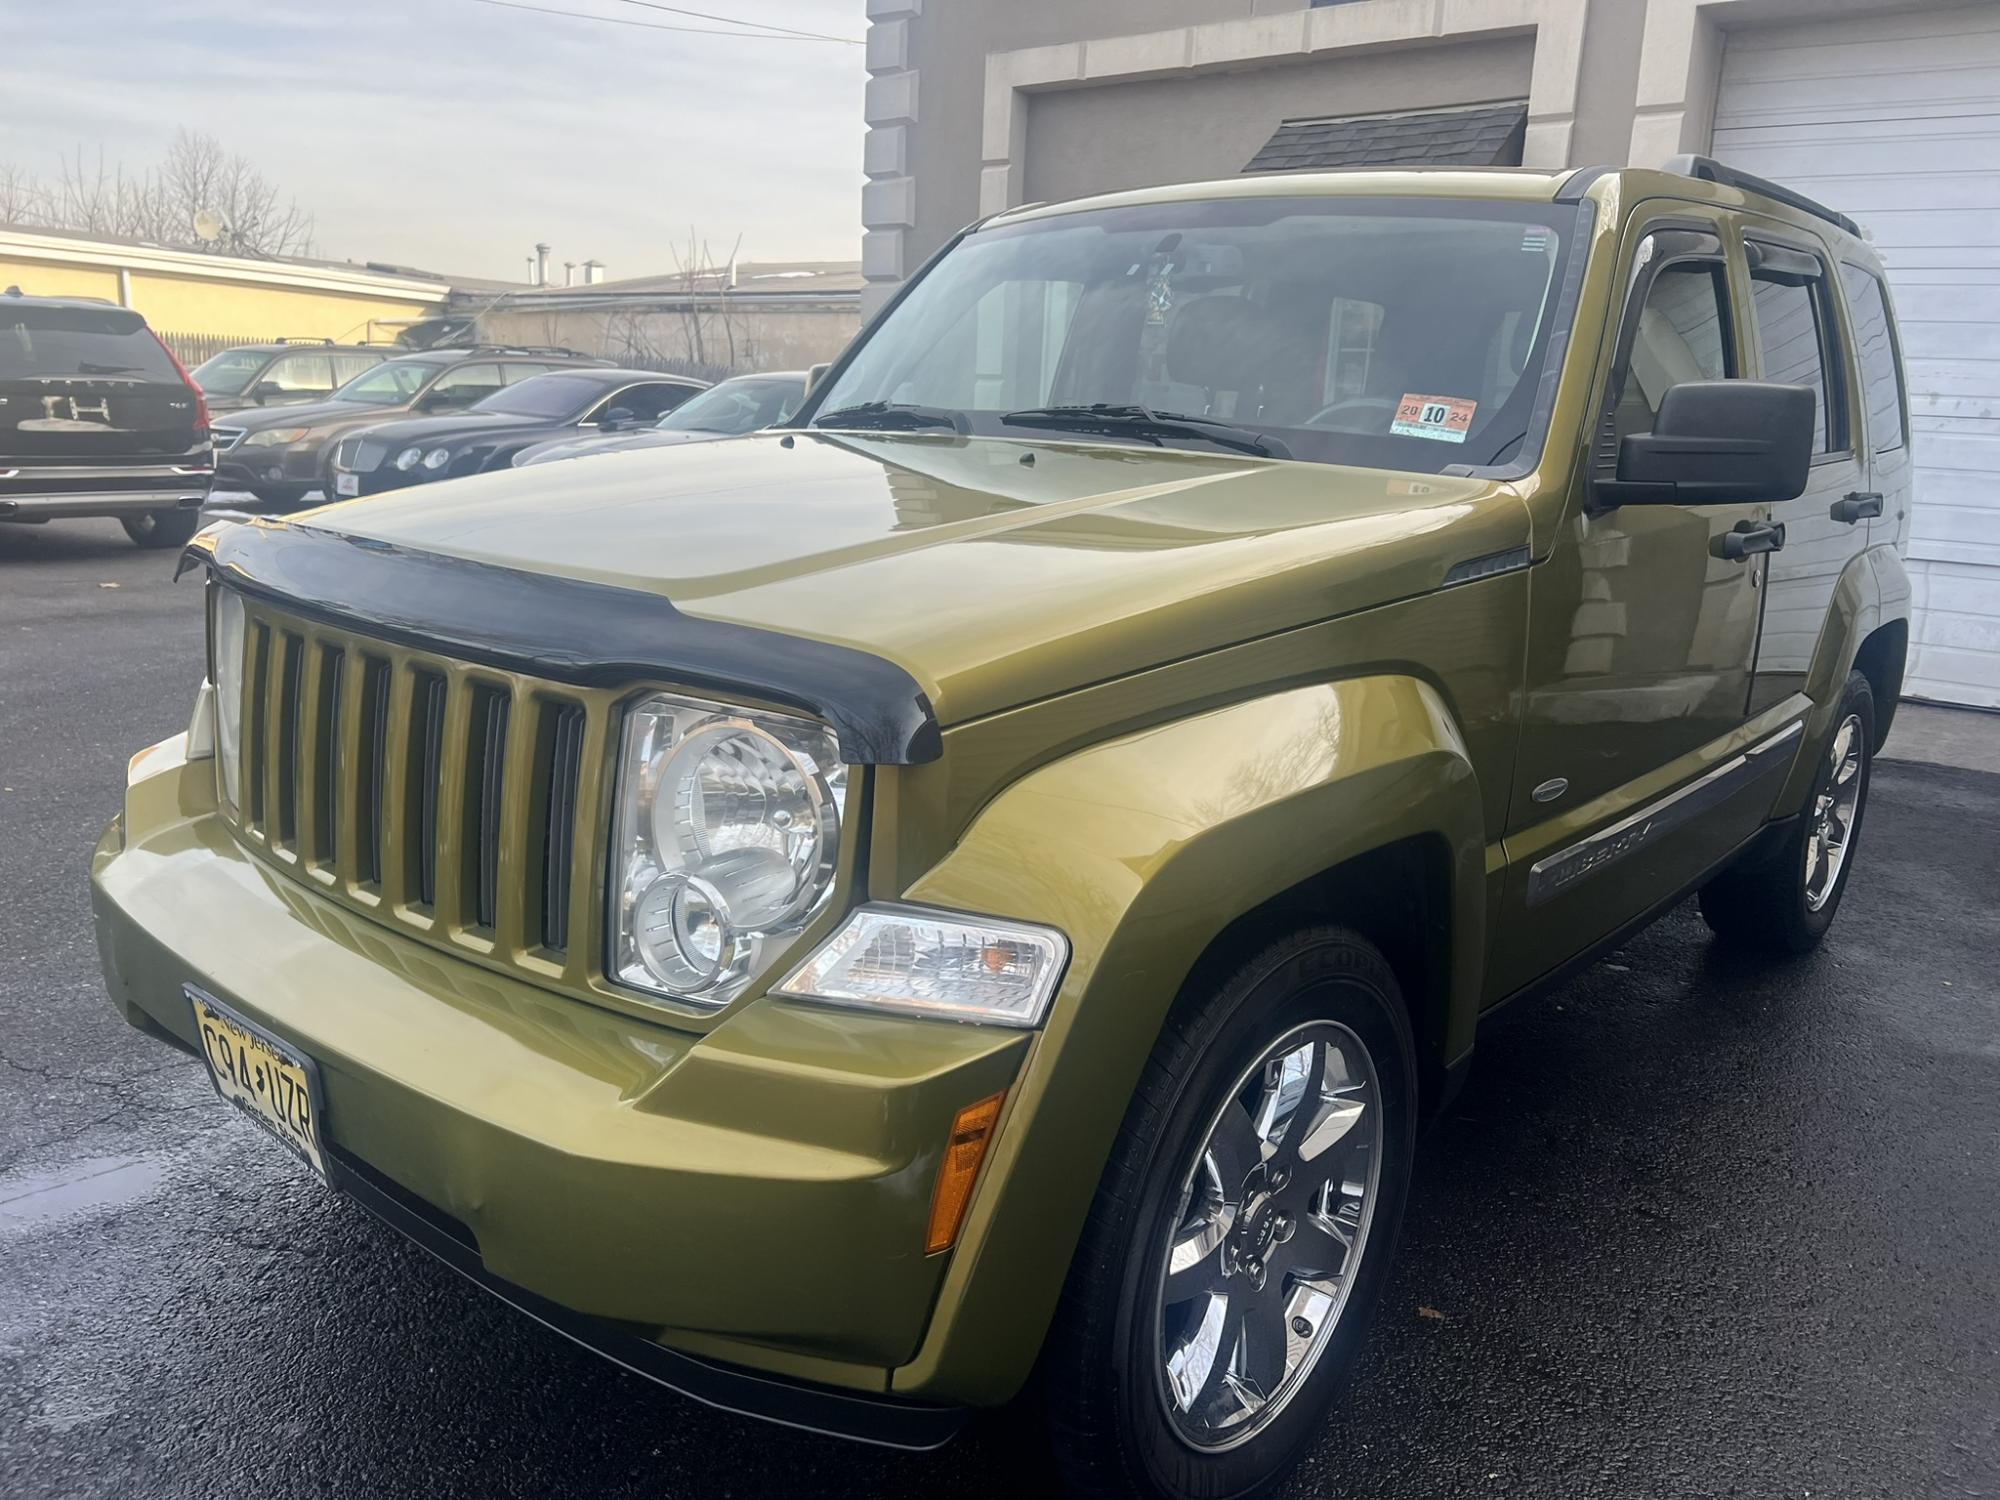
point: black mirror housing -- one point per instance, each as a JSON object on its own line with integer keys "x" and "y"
{"x": 1717, "y": 442}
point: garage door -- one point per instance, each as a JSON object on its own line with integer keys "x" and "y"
{"x": 1896, "y": 120}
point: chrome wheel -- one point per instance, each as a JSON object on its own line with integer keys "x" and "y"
{"x": 1833, "y": 814}
{"x": 1271, "y": 1227}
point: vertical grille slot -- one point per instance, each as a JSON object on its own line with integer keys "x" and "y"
{"x": 326, "y": 765}
{"x": 290, "y": 711}
{"x": 257, "y": 736}
{"x": 485, "y": 783}
{"x": 561, "y": 751}
{"x": 371, "y": 785}
{"x": 426, "y": 781}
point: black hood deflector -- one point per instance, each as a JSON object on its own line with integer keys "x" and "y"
{"x": 569, "y": 630}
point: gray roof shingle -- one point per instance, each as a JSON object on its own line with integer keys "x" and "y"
{"x": 1482, "y": 135}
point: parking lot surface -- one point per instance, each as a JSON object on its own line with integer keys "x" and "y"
{"x": 1696, "y": 1227}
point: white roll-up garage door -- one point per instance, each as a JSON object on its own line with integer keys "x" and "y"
{"x": 1896, "y": 120}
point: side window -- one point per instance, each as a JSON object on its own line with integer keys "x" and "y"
{"x": 298, "y": 373}
{"x": 462, "y": 385}
{"x": 514, "y": 374}
{"x": 1875, "y": 343}
{"x": 347, "y": 366}
{"x": 1682, "y": 334}
{"x": 646, "y": 402}
{"x": 1795, "y": 334}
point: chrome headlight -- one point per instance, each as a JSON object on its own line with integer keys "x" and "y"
{"x": 728, "y": 830}
{"x": 437, "y": 458}
{"x": 275, "y": 437}
{"x": 408, "y": 458}
{"x": 226, "y": 672}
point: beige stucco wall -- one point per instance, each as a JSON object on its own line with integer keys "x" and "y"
{"x": 1151, "y": 131}
{"x": 176, "y": 293}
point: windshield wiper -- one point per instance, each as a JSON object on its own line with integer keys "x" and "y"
{"x": 892, "y": 416}
{"x": 84, "y": 367}
{"x": 1143, "y": 421}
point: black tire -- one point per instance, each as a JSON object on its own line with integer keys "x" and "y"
{"x": 1765, "y": 901}
{"x": 1101, "y": 1377}
{"x": 159, "y": 529}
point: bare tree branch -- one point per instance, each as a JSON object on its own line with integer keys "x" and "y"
{"x": 196, "y": 176}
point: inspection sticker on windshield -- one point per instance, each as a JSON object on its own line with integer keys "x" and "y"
{"x": 1445, "y": 419}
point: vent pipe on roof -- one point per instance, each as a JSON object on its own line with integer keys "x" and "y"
{"x": 541, "y": 265}
{"x": 593, "y": 272}
{"x": 569, "y": 273}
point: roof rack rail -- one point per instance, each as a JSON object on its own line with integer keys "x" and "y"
{"x": 1578, "y": 182}
{"x": 1708, "y": 169}
{"x": 302, "y": 341}
{"x": 513, "y": 349}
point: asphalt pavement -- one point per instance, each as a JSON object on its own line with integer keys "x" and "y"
{"x": 1697, "y": 1227}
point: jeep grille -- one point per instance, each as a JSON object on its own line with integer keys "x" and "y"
{"x": 440, "y": 796}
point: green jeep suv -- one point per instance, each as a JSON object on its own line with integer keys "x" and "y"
{"x": 991, "y": 878}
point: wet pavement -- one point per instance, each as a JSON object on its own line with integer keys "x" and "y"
{"x": 1696, "y": 1227}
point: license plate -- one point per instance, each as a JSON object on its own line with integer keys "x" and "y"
{"x": 275, "y": 1085}
{"x": 347, "y": 485}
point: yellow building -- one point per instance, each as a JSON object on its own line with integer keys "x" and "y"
{"x": 219, "y": 299}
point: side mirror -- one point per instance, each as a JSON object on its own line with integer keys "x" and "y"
{"x": 617, "y": 418}
{"x": 815, "y": 373}
{"x": 1717, "y": 442}
{"x": 264, "y": 390}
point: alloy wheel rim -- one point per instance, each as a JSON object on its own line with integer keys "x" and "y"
{"x": 1834, "y": 810}
{"x": 1269, "y": 1235}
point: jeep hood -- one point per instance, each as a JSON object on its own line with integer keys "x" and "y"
{"x": 994, "y": 571}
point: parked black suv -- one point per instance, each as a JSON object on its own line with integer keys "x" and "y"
{"x": 97, "y": 418}
{"x": 285, "y": 372}
{"x": 563, "y": 403}
{"x": 281, "y": 453}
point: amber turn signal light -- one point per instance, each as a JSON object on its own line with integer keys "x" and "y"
{"x": 964, "y": 1150}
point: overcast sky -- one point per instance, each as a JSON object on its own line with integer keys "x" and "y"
{"x": 452, "y": 135}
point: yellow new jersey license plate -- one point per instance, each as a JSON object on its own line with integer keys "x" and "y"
{"x": 276, "y": 1085}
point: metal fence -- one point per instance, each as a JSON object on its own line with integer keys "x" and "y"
{"x": 192, "y": 348}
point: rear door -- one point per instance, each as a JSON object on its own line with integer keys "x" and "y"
{"x": 83, "y": 385}
{"x": 1884, "y": 402}
{"x": 1796, "y": 339}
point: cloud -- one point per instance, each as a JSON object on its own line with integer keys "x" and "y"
{"x": 453, "y": 135}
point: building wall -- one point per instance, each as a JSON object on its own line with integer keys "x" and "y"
{"x": 1153, "y": 131}
{"x": 974, "y": 107}
{"x": 249, "y": 300}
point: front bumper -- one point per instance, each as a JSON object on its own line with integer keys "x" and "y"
{"x": 754, "y": 1198}
{"x": 252, "y": 468}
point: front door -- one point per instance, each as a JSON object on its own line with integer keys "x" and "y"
{"x": 1641, "y": 642}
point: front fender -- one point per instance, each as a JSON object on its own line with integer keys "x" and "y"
{"x": 1143, "y": 850}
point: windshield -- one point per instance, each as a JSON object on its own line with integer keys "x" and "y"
{"x": 556, "y": 397}
{"x": 67, "y": 342}
{"x": 389, "y": 384}
{"x": 1389, "y": 333}
{"x": 230, "y": 372}
{"x": 742, "y": 405}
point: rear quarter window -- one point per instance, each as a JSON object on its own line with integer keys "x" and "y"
{"x": 79, "y": 342}
{"x": 1875, "y": 346}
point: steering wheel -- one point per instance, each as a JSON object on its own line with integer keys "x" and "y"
{"x": 1369, "y": 403}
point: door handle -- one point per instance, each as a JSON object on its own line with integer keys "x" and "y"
{"x": 1857, "y": 506}
{"x": 1748, "y": 539}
